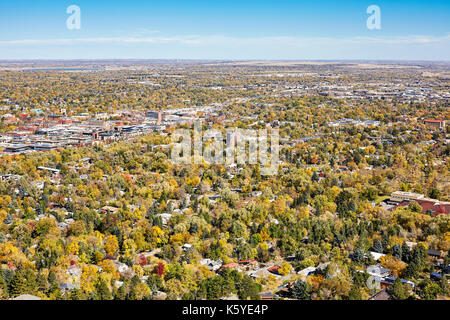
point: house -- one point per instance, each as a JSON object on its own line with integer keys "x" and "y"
{"x": 212, "y": 265}
{"x": 256, "y": 194}
{"x": 434, "y": 253}
{"x": 285, "y": 287}
{"x": 66, "y": 286}
{"x": 248, "y": 261}
{"x": 214, "y": 197}
{"x": 322, "y": 266}
{"x": 307, "y": 271}
{"x": 5, "y": 177}
{"x": 230, "y": 297}
{"x": 436, "y": 124}
{"x": 382, "y": 295}
{"x": 248, "y": 264}
{"x": 62, "y": 226}
{"x": 274, "y": 221}
{"x": 186, "y": 246}
{"x": 120, "y": 267}
{"x": 378, "y": 271}
{"x": 262, "y": 273}
{"x": 230, "y": 265}
{"x": 165, "y": 217}
{"x": 411, "y": 244}
{"x": 74, "y": 271}
{"x": 267, "y": 296}
{"x": 26, "y": 297}
{"x": 159, "y": 295}
{"x": 51, "y": 170}
{"x": 376, "y": 255}
{"x": 435, "y": 276}
{"x": 388, "y": 281}
{"x": 109, "y": 209}
{"x": 173, "y": 205}
{"x": 273, "y": 269}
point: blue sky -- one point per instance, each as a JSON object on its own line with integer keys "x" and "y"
{"x": 410, "y": 30}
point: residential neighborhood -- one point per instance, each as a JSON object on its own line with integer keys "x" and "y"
{"x": 94, "y": 207}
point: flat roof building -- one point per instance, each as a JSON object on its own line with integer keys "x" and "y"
{"x": 399, "y": 196}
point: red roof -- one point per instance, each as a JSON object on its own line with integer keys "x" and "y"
{"x": 229, "y": 265}
{"x": 273, "y": 269}
{"x": 434, "y": 206}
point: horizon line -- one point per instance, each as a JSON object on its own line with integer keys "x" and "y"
{"x": 224, "y": 60}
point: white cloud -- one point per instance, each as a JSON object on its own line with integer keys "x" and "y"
{"x": 235, "y": 41}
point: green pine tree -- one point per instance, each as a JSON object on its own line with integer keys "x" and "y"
{"x": 355, "y": 293}
{"x": 41, "y": 283}
{"x": 301, "y": 290}
{"x": 3, "y": 287}
{"x": 77, "y": 294}
{"x": 18, "y": 285}
{"x": 398, "y": 290}
{"x": 377, "y": 246}
{"x": 53, "y": 282}
{"x": 121, "y": 293}
{"x": 102, "y": 290}
{"x": 31, "y": 283}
